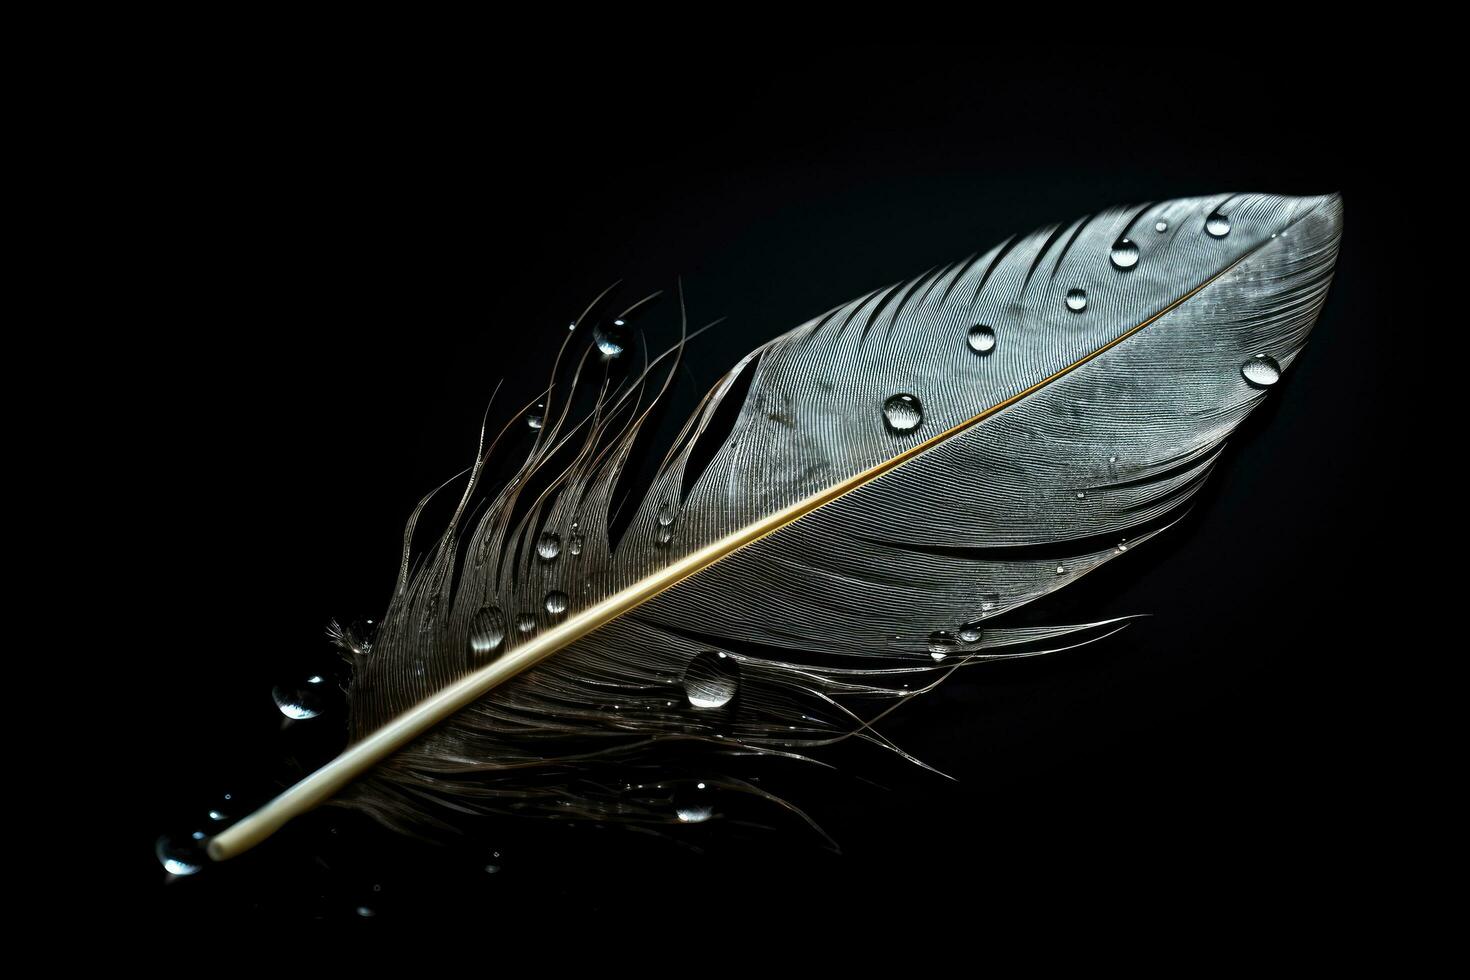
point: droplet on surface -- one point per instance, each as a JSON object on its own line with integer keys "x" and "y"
{"x": 611, "y": 338}
{"x": 548, "y": 546}
{"x": 487, "y": 631}
{"x": 1161, "y": 226}
{"x": 694, "y": 804}
{"x": 365, "y": 912}
{"x": 220, "y": 812}
{"x": 303, "y": 701}
{"x": 664, "y": 534}
{"x": 493, "y": 867}
{"x": 989, "y": 601}
{"x": 666, "y": 515}
{"x": 1081, "y": 494}
{"x": 981, "y": 339}
{"x": 969, "y": 634}
{"x": 1261, "y": 371}
{"x": 941, "y": 644}
{"x": 536, "y": 417}
{"x": 1076, "y": 300}
{"x": 181, "y": 856}
{"x": 712, "y": 679}
{"x": 1061, "y": 569}
{"x": 575, "y": 544}
{"x": 556, "y": 603}
{"x": 525, "y": 622}
{"x": 1124, "y": 254}
{"x": 1217, "y": 225}
{"x": 903, "y": 413}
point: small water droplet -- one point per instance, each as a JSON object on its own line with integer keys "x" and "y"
{"x": 664, "y": 534}
{"x": 712, "y": 679}
{"x": 1217, "y": 225}
{"x": 611, "y": 338}
{"x": 525, "y": 622}
{"x": 942, "y": 644}
{"x": 548, "y": 546}
{"x": 575, "y": 543}
{"x": 536, "y": 417}
{"x": 556, "y": 603}
{"x": 487, "y": 631}
{"x": 365, "y": 912}
{"x": 303, "y": 701}
{"x": 1076, "y": 300}
{"x": 903, "y": 413}
{"x": 989, "y": 601}
{"x": 666, "y": 515}
{"x": 1112, "y": 459}
{"x": 1081, "y": 494}
{"x": 1124, "y": 254}
{"x": 1061, "y": 569}
{"x": 981, "y": 339}
{"x": 181, "y": 856}
{"x": 1261, "y": 371}
{"x": 220, "y": 812}
{"x": 1161, "y": 226}
{"x": 493, "y": 867}
{"x": 970, "y": 634}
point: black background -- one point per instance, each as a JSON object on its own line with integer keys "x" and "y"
{"x": 342, "y": 261}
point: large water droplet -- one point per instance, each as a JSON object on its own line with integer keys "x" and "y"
{"x": 1076, "y": 300}
{"x": 693, "y": 804}
{"x": 903, "y": 413}
{"x": 556, "y": 603}
{"x": 183, "y": 855}
{"x": 525, "y": 622}
{"x": 1124, "y": 254}
{"x": 712, "y": 679}
{"x": 611, "y": 338}
{"x": 536, "y": 417}
{"x": 302, "y": 701}
{"x": 981, "y": 338}
{"x": 941, "y": 644}
{"x": 548, "y": 546}
{"x": 1261, "y": 371}
{"x": 487, "y": 631}
{"x": 1161, "y": 226}
{"x": 1217, "y": 225}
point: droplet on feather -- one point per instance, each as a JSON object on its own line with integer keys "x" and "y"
{"x": 981, "y": 339}
{"x": 487, "y": 631}
{"x": 302, "y": 701}
{"x": 969, "y": 634}
{"x": 575, "y": 544}
{"x": 1161, "y": 226}
{"x": 666, "y": 515}
{"x": 941, "y": 644}
{"x": 548, "y": 546}
{"x": 181, "y": 856}
{"x": 663, "y": 535}
{"x": 1124, "y": 254}
{"x": 556, "y": 603}
{"x": 1217, "y": 225}
{"x": 693, "y": 804}
{"x": 1076, "y": 300}
{"x": 611, "y": 338}
{"x": 525, "y": 622}
{"x": 712, "y": 679}
{"x": 989, "y": 601}
{"x": 536, "y": 417}
{"x": 1261, "y": 371}
{"x": 903, "y": 413}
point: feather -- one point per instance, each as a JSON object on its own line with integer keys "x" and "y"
{"x": 900, "y": 473}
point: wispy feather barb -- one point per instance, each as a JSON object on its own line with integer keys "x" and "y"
{"x": 901, "y": 471}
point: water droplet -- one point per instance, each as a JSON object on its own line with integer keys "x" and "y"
{"x": 220, "y": 812}
{"x": 575, "y": 543}
{"x": 970, "y": 634}
{"x": 1061, "y": 569}
{"x": 611, "y": 338}
{"x": 666, "y": 515}
{"x": 493, "y": 867}
{"x": 1161, "y": 226}
{"x": 981, "y": 338}
{"x": 693, "y": 804}
{"x": 548, "y": 546}
{"x": 536, "y": 417}
{"x": 365, "y": 911}
{"x": 989, "y": 601}
{"x": 525, "y": 622}
{"x": 664, "y": 534}
{"x": 487, "y": 631}
{"x": 942, "y": 644}
{"x": 1261, "y": 371}
{"x": 303, "y": 701}
{"x": 1124, "y": 254}
{"x": 181, "y": 856}
{"x": 903, "y": 413}
{"x": 1081, "y": 494}
{"x": 1217, "y": 225}
{"x": 556, "y": 603}
{"x": 712, "y": 679}
{"x": 1076, "y": 300}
